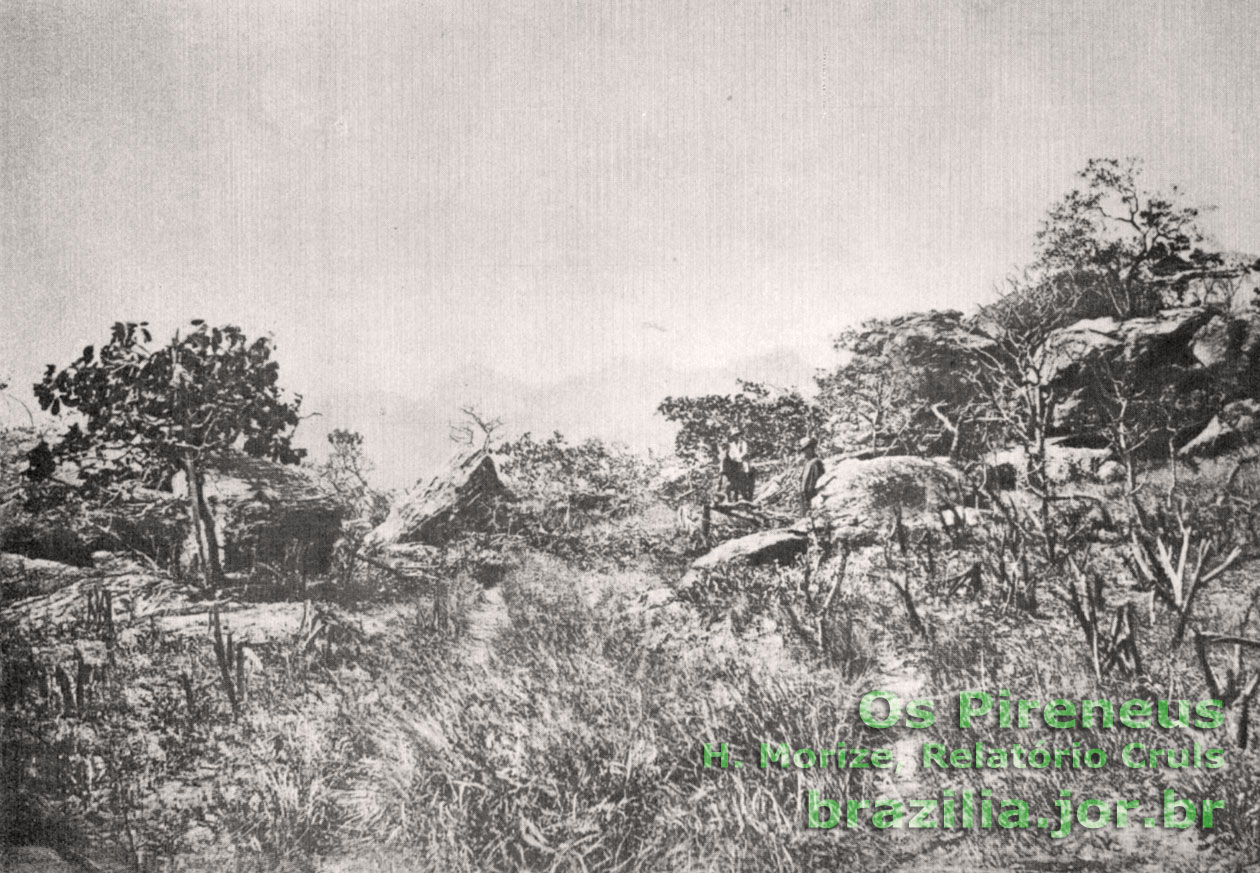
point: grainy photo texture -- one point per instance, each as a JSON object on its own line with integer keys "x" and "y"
{"x": 634, "y": 435}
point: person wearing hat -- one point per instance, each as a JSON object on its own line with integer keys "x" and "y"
{"x": 736, "y": 468}
{"x": 810, "y": 473}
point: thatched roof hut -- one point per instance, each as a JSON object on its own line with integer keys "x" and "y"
{"x": 465, "y": 496}
{"x": 265, "y": 512}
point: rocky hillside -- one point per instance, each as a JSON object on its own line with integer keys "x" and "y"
{"x": 1201, "y": 362}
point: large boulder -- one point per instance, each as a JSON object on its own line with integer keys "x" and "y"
{"x": 144, "y": 521}
{"x": 1237, "y": 424}
{"x": 46, "y": 540}
{"x": 1213, "y": 344}
{"x": 1065, "y": 462}
{"x": 780, "y": 545}
{"x": 941, "y": 336}
{"x": 1177, "y": 349}
{"x": 266, "y": 513}
{"x": 777, "y": 546}
{"x": 462, "y": 497}
{"x": 860, "y": 499}
{"x": 858, "y": 502}
{"x": 1075, "y": 358}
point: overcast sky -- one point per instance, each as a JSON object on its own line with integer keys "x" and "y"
{"x": 394, "y": 189}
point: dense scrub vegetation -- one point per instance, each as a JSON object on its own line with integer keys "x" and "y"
{"x": 537, "y": 692}
{"x": 939, "y": 383}
{"x": 576, "y": 742}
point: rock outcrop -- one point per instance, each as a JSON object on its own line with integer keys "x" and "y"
{"x": 780, "y": 545}
{"x": 858, "y": 502}
{"x": 463, "y": 497}
{"x": 859, "y": 499}
{"x": 1237, "y": 424}
{"x": 1175, "y": 351}
{"x": 46, "y": 540}
{"x": 945, "y": 337}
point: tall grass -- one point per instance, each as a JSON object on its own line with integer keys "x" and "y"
{"x": 577, "y": 742}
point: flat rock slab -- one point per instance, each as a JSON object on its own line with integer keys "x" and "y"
{"x": 780, "y": 544}
{"x": 61, "y": 593}
{"x": 257, "y": 623}
{"x": 251, "y": 624}
{"x": 34, "y": 859}
{"x": 21, "y": 577}
{"x": 1235, "y": 425}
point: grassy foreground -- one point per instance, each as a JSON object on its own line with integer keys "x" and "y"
{"x": 555, "y": 718}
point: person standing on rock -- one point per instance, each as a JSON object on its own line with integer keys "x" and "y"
{"x": 811, "y": 472}
{"x": 736, "y": 467}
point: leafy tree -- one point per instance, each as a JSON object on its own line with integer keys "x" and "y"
{"x": 148, "y": 412}
{"x": 1029, "y": 307}
{"x": 579, "y": 500}
{"x": 1138, "y": 249}
{"x": 589, "y": 477}
{"x": 773, "y": 422}
{"x": 345, "y": 471}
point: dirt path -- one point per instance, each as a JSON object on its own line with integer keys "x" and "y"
{"x": 907, "y": 683}
{"x": 484, "y": 624}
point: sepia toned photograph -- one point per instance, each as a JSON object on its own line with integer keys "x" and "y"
{"x": 679, "y": 436}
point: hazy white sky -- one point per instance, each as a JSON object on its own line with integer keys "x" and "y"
{"x": 396, "y": 188}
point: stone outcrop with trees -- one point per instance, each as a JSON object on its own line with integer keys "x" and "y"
{"x": 213, "y": 649}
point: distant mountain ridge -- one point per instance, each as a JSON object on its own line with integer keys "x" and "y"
{"x": 408, "y": 436}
